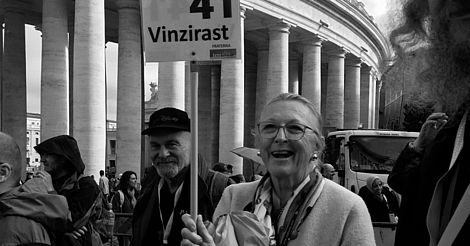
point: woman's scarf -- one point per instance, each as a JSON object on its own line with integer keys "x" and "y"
{"x": 295, "y": 211}
{"x": 369, "y": 183}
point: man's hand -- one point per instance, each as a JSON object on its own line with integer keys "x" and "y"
{"x": 46, "y": 177}
{"x": 434, "y": 123}
{"x": 196, "y": 233}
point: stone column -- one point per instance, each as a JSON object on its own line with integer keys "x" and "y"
{"x": 171, "y": 84}
{"x": 231, "y": 108}
{"x": 311, "y": 71}
{"x": 352, "y": 93}
{"x": 372, "y": 101}
{"x": 366, "y": 80}
{"x": 250, "y": 99}
{"x": 293, "y": 73}
{"x": 261, "y": 80}
{"x": 129, "y": 90}
{"x": 335, "y": 88}
{"x": 278, "y": 64}
{"x": 215, "y": 112}
{"x": 89, "y": 89}
{"x": 71, "y": 29}
{"x": 324, "y": 82}
{"x": 1, "y": 70}
{"x": 14, "y": 77}
{"x": 54, "y": 70}
{"x": 378, "y": 88}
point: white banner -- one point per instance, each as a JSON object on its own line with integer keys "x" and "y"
{"x": 191, "y": 30}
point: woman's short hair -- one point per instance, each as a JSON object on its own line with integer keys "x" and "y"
{"x": 315, "y": 113}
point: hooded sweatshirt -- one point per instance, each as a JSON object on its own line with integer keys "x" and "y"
{"x": 65, "y": 146}
{"x": 28, "y": 214}
{"x": 79, "y": 190}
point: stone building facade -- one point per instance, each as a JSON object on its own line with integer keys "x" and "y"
{"x": 329, "y": 51}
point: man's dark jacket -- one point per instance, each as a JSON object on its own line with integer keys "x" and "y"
{"x": 147, "y": 227}
{"x": 414, "y": 176}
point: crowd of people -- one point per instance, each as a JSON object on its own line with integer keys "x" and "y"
{"x": 295, "y": 202}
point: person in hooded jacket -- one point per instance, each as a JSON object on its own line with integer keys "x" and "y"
{"x": 29, "y": 215}
{"x": 62, "y": 160}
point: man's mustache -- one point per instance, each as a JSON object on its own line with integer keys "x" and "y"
{"x": 165, "y": 159}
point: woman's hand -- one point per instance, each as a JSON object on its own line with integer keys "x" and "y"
{"x": 46, "y": 177}
{"x": 196, "y": 233}
{"x": 434, "y": 123}
{"x": 77, "y": 233}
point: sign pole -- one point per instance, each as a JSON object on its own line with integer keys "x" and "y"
{"x": 194, "y": 143}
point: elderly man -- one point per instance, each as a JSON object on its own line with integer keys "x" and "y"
{"x": 166, "y": 195}
{"x": 432, "y": 173}
{"x": 328, "y": 171}
{"x": 28, "y": 213}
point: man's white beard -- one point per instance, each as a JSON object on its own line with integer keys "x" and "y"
{"x": 167, "y": 171}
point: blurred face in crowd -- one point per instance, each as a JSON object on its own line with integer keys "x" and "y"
{"x": 450, "y": 51}
{"x": 285, "y": 149}
{"x": 377, "y": 187}
{"x": 328, "y": 171}
{"x": 133, "y": 181}
{"x": 170, "y": 152}
{"x": 54, "y": 164}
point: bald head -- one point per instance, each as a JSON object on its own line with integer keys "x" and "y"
{"x": 328, "y": 171}
{"x": 10, "y": 162}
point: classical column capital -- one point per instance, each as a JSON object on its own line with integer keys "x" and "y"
{"x": 313, "y": 39}
{"x": 339, "y": 51}
{"x": 128, "y": 4}
{"x": 379, "y": 85}
{"x": 366, "y": 69}
{"x": 353, "y": 61}
{"x": 375, "y": 74}
{"x": 281, "y": 26}
{"x": 243, "y": 9}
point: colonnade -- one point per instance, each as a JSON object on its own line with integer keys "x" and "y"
{"x": 349, "y": 103}
{"x": 232, "y": 92}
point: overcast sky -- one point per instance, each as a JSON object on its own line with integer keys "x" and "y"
{"x": 376, "y": 8}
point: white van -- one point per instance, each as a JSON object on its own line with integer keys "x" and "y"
{"x": 359, "y": 154}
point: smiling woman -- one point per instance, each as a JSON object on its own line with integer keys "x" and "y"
{"x": 292, "y": 203}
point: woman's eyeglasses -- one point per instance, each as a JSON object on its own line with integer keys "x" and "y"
{"x": 292, "y": 131}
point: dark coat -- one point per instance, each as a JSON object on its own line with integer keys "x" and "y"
{"x": 29, "y": 215}
{"x": 415, "y": 177}
{"x": 379, "y": 210}
{"x": 147, "y": 225}
{"x": 80, "y": 191}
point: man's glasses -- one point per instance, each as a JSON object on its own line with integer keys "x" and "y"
{"x": 292, "y": 131}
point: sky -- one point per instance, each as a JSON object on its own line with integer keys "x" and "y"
{"x": 377, "y": 8}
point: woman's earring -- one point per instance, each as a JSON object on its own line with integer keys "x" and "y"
{"x": 314, "y": 157}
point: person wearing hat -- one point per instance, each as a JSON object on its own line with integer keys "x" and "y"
{"x": 166, "y": 194}
{"x": 28, "y": 213}
{"x": 62, "y": 160}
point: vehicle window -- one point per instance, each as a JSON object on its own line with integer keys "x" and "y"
{"x": 375, "y": 154}
{"x": 331, "y": 153}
